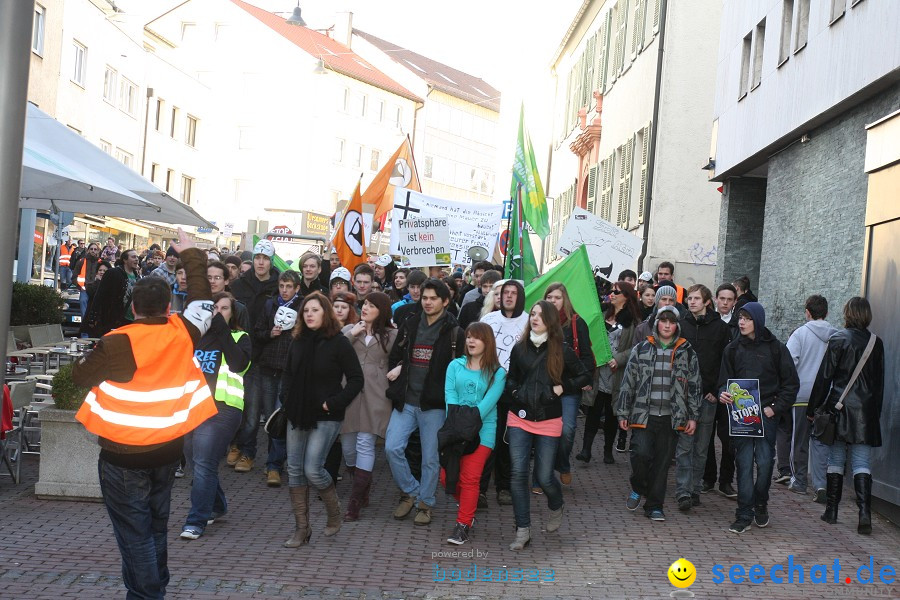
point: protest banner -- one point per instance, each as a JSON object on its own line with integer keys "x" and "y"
{"x": 470, "y": 223}
{"x": 610, "y": 249}
{"x": 423, "y": 242}
{"x": 745, "y": 412}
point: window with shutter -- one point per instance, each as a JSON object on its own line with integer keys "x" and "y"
{"x": 607, "y": 176}
{"x": 645, "y": 159}
{"x": 629, "y": 162}
{"x": 587, "y": 96}
{"x": 637, "y": 30}
{"x": 613, "y": 44}
{"x": 656, "y": 16}
{"x": 591, "y": 204}
{"x": 578, "y": 77}
{"x": 623, "y": 31}
{"x": 602, "y": 53}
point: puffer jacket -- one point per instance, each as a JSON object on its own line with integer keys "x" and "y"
{"x": 859, "y": 421}
{"x": 529, "y": 386}
{"x": 766, "y": 359}
{"x": 634, "y": 396}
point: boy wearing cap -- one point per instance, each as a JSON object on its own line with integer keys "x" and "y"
{"x": 167, "y": 269}
{"x": 660, "y": 395}
{"x": 665, "y": 296}
{"x": 757, "y": 354}
{"x": 340, "y": 281}
{"x": 382, "y": 275}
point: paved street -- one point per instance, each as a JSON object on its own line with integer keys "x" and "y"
{"x": 53, "y": 549}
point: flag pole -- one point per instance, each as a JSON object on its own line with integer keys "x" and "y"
{"x": 508, "y": 234}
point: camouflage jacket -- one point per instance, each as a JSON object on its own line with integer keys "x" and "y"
{"x": 634, "y": 396}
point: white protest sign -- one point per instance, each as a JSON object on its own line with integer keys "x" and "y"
{"x": 228, "y": 229}
{"x": 506, "y": 332}
{"x": 470, "y": 223}
{"x": 423, "y": 242}
{"x": 610, "y": 248}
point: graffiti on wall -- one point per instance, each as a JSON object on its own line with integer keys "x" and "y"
{"x": 702, "y": 256}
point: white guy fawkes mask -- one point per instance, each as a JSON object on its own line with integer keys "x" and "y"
{"x": 285, "y": 317}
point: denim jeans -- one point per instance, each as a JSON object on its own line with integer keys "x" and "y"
{"x": 65, "y": 276}
{"x": 400, "y": 427}
{"x": 245, "y": 439}
{"x": 270, "y": 388}
{"x": 818, "y": 463}
{"x": 359, "y": 449}
{"x": 799, "y": 448}
{"x": 205, "y": 448}
{"x": 83, "y": 302}
{"x": 859, "y": 458}
{"x": 306, "y": 453}
{"x": 690, "y": 452}
{"x": 747, "y": 451}
{"x": 570, "y": 405}
{"x": 726, "y": 470}
{"x": 137, "y": 501}
{"x": 651, "y": 451}
{"x": 545, "y": 448}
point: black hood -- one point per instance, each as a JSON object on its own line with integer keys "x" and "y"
{"x": 520, "y": 297}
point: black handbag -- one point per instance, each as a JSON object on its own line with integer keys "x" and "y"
{"x": 276, "y": 425}
{"x": 824, "y": 423}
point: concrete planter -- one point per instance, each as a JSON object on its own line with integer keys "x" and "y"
{"x": 68, "y": 459}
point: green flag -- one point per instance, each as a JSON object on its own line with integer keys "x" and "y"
{"x": 277, "y": 261}
{"x": 575, "y": 273}
{"x": 520, "y": 262}
{"x": 525, "y": 173}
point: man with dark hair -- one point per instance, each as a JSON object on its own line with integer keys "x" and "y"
{"x": 665, "y": 275}
{"x": 86, "y": 272}
{"x": 425, "y": 345}
{"x": 629, "y": 276}
{"x": 726, "y": 295}
{"x": 129, "y": 264}
{"x": 807, "y": 346}
{"x": 167, "y": 269}
{"x": 409, "y": 305}
{"x": 147, "y": 392}
{"x": 234, "y": 266}
{"x": 471, "y": 312}
{"x": 311, "y": 267}
{"x": 744, "y": 294}
{"x": 478, "y": 269}
{"x": 363, "y": 282}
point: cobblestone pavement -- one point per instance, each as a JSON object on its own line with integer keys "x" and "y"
{"x": 53, "y": 549}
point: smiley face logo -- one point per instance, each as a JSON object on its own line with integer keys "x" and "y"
{"x": 682, "y": 573}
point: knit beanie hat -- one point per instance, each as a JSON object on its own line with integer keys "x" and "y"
{"x": 665, "y": 290}
{"x": 171, "y": 252}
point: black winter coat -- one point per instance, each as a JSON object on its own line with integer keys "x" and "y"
{"x": 272, "y": 351}
{"x": 768, "y": 360}
{"x": 859, "y": 422}
{"x": 585, "y": 353}
{"x": 253, "y": 293}
{"x": 528, "y": 383}
{"x": 460, "y": 435}
{"x": 708, "y": 335}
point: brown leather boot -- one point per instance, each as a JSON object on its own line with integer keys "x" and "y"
{"x": 332, "y": 509}
{"x": 361, "y": 480}
{"x": 300, "y": 506}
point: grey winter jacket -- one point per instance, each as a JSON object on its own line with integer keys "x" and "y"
{"x": 807, "y": 346}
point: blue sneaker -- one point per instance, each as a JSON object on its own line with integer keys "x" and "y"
{"x": 657, "y": 515}
{"x": 633, "y": 500}
{"x": 190, "y": 533}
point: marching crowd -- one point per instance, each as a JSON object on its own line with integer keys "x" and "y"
{"x": 337, "y": 363}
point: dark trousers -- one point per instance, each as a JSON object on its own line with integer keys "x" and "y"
{"x": 652, "y": 450}
{"x": 758, "y": 451}
{"x": 600, "y": 415}
{"x": 783, "y": 436}
{"x": 333, "y": 459}
{"x": 720, "y": 429}
{"x": 137, "y": 501}
{"x": 498, "y": 462}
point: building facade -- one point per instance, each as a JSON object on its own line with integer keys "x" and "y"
{"x": 634, "y": 91}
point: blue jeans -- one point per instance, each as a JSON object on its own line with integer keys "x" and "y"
{"x": 859, "y": 458}
{"x": 747, "y": 451}
{"x": 65, "y": 276}
{"x": 818, "y": 463}
{"x": 137, "y": 501}
{"x": 400, "y": 427}
{"x": 690, "y": 452}
{"x": 205, "y": 447}
{"x": 306, "y": 453}
{"x": 569, "y": 416}
{"x": 545, "y": 449}
{"x": 270, "y": 388}
{"x": 83, "y": 302}
{"x": 260, "y": 396}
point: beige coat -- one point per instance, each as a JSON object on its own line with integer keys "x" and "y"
{"x": 371, "y": 410}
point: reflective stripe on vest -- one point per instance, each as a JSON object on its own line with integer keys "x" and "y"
{"x": 80, "y": 279}
{"x": 166, "y": 398}
{"x": 65, "y": 255}
{"x": 230, "y": 385}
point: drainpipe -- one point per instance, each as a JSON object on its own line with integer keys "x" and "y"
{"x": 651, "y": 166}
{"x": 146, "y": 121}
{"x": 419, "y": 106}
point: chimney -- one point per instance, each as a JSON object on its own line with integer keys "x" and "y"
{"x": 343, "y": 27}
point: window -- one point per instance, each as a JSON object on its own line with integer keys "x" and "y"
{"x": 381, "y": 111}
{"x": 173, "y": 126}
{"x": 127, "y": 96}
{"x": 644, "y": 136}
{"x": 362, "y": 102}
{"x": 190, "y": 132}
{"x": 626, "y": 155}
{"x": 837, "y": 10}
{"x": 357, "y": 156}
{"x": 375, "y": 159}
{"x": 346, "y": 100}
{"x": 787, "y": 21}
{"x": 158, "y": 115}
{"x": 109, "y": 84}
{"x": 429, "y": 167}
{"x": 124, "y": 157}
{"x": 758, "y": 48}
{"x": 398, "y": 117}
{"x": 154, "y": 168}
{"x": 80, "y": 62}
{"x": 170, "y": 176}
{"x": 37, "y": 30}
{"x": 106, "y": 147}
{"x": 339, "y": 150}
{"x": 802, "y": 32}
{"x": 188, "y": 32}
{"x": 187, "y": 187}
{"x": 637, "y": 29}
{"x": 745, "y": 66}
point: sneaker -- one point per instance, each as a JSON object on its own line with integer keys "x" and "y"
{"x": 685, "y": 503}
{"x": 190, "y": 533}
{"x": 179, "y": 472}
{"x": 565, "y": 478}
{"x": 727, "y": 490}
{"x": 657, "y": 515}
{"x": 460, "y": 534}
{"x": 739, "y": 526}
{"x": 783, "y": 478}
{"x": 244, "y": 464}
{"x": 216, "y": 516}
{"x": 537, "y": 490}
{"x": 273, "y": 478}
{"x": 762, "y": 516}
{"x": 695, "y": 499}
{"x": 405, "y": 506}
{"x": 621, "y": 442}
{"x": 482, "y": 501}
{"x": 796, "y": 488}
{"x": 819, "y": 498}
{"x": 504, "y": 498}
{"x": 234, "y": 453}
{"x": 423, "y": 514}
{"x": 633, "y": 500}
{"x": 706, "y": 487}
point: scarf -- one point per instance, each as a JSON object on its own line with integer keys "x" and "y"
{"x": 302, "y": 404}
{"x": 538, "y": 339}
{"x": 282, "y": 302}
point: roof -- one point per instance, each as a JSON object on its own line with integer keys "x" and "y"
{"x": 438, "y": 75}
{"x": 336, "y": 56}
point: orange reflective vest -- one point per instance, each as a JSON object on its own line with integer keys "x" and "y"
{"x": 65, "y": 255}
{"x": 167, "y": 397}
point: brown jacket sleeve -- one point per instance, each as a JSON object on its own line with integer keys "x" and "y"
{"x": 112, "y": 360}
{"x": 194, "y": 261}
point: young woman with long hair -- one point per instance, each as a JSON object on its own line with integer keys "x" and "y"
{"x": 647, "y": 296}
{"x": 344, "y": 304}
{"x": 577, "y": 336}
{"x": 476, "y": 380}
{"x": 397, "y": 287}
{"x": 224, "y": 357}
{"x": 368, "y": 415}
{"x": 314, "y": 398}
{"x": 542, "y": 368}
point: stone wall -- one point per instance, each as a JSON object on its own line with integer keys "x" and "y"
{"x": 741, "y": 230}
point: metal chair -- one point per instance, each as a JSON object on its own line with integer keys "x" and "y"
{"x": 21, "y": 394}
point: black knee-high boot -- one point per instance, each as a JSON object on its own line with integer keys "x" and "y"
{"x": 863, "y": 485}
{"x": 835, "y": 486}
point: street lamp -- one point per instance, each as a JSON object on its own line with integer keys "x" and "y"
{"x": 295, "y": 18}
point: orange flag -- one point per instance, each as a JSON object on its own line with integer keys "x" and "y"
{"x": 349, "y": 237}
{"x": 399, "y": 171}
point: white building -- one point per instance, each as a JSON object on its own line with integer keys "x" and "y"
{"x": 630, "y": 128}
